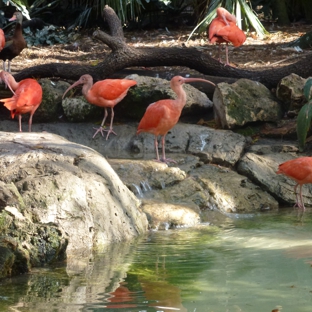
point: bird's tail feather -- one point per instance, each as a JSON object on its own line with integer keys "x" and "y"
{"x": 10, "y": 104}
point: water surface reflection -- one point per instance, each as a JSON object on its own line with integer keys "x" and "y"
{"x": 252, "y": 263}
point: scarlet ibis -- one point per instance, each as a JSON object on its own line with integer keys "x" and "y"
{"x": 162, "y": 115}
{"x": 26, "y": 99}
{"x": 299, "y": 170}
{"x": 15, "y": 46}
{"x": 223, "y": 29}
{"x": 104, "y": 93}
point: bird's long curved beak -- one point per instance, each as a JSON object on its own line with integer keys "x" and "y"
{"x": 186, "y": 80}
{"x": 5, "y": 80}
{"x": 70, "y": 87}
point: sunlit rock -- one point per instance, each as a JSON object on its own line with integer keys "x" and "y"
{"x": 56, "y": 186}
{"x": 260, "y": 164}
{"x": 231, "y": 192}
{"x": 164, "y": 216}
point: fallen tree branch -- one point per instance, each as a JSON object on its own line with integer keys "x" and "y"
{"x": 122, "y": 56}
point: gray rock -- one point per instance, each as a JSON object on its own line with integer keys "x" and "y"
{"x": 216, "y": 146}
{"x": 63, "y": 188}
{"x": 201, "y": 187}
{"x": 231, "y": 192}
{"x": 78, "y": 109}
{"x": 51, "y": 105}
{"x": 261, "y": 168}
{"x": 290, "y": 91}
{"x": 243, "y": 102}
{"x": 149, "y": 90}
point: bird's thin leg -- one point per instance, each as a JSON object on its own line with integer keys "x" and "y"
{"x": 299, "y": 201}
{"x": 102, "y": 125}
{"x": 164, "y": 159}
{"x": 156, "y": 148}
{"x": 301, "y": 198}
{"x": 297, "y": 204}
{"x": 30, "y": 123}
{"x": 110, "y": 130}
{"x": 220, "y": 52}
{"x": 9, "y": 66}
{"x": 227, "y": 54}
{"x": 20, "y": 122}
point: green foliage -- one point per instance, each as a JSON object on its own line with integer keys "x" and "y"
{"x": 305, "y": 116}
{"x": 36, "y": 7}
{"x": 48, "y": 35}
{"x": 307, "y": 89}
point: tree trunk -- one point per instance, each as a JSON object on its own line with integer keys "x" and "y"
{"x": 279, "y": 9}
{"x": 307, "y": 10}
{"x": 123, "y": 56}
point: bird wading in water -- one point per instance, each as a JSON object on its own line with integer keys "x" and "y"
{"x": 27, "y": 96}
{"x": 162, "y": 115}
{"x": 299, "y": 170}
{"x": 223, "y": 29}
{"x": 16, "y": 45}
{"x": 104, "y": 93}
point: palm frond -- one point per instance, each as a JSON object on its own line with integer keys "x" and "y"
{"x": 253, "y": 19}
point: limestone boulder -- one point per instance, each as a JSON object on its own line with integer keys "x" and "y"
{"x": 151, "y": 89}
{"x": 50, "y": 108}
{"x": 260, "y": 164}
{"x": 50, "y": 185}
{"x": 244, "y": 102}
{"x": 290, "y": 92}
{"x": 148, "y": 90}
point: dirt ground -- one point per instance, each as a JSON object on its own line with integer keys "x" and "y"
{"x": 256, "y": 53}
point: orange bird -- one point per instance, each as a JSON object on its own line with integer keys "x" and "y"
{"x": 162, "y": 115}
{"x": 104, "y": 93}
{"x": 223, "y": 29}
{"x": 26, "y": 99}
{"x": 300, "y": 170}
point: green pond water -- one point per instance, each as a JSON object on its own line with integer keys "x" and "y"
{"x": 248, "y": 263}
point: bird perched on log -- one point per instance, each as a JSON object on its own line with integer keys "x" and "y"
{"x": 27, "y": 96}
{"x": 104, "y": 93}
{"x": 299, "y": 170}
{"x": 16, "y": 45}
{"x": 162, "y": 115}
{"x": 223, "y": 29}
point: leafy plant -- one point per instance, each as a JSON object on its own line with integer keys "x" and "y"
{"x": 305, "y": 115}
{"x": 47, "y": 35}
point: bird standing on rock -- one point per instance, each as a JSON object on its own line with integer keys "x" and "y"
{"x": 162, "y": 115}
{"x": 26, "y": 99}
{"x": 104, "y": 93}
{"x": 223, "y": 29}
{"x": 299, "y": 170}
{"x": 15, "y": 46}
